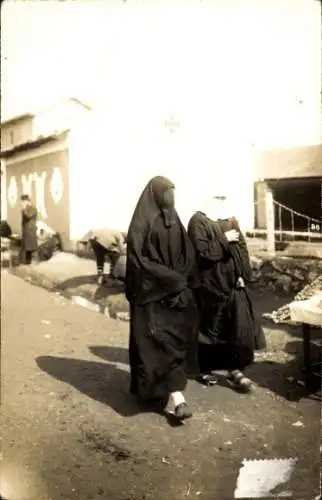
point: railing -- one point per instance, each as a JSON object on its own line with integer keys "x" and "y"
{"x": 313, "y": 232}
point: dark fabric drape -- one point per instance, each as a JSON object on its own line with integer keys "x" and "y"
{"x": 227, "y": 316}
{"x": 159, "y": 262}
{"x": 238, "y": 250}
{"x": 163, "y": 328}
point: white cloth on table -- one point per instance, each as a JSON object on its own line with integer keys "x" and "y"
{"x": 307, "y": 311}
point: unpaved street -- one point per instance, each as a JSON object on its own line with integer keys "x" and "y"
{"x": 71, "y": 431}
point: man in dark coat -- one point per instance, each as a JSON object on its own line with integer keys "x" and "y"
{"x": 229, "y": 328}
{"x": 163, "y": 326}
{"x": 29, "y": 228}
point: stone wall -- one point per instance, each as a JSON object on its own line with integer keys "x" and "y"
{"x": 281, "y": 274}
{"x": 287, "y": 275}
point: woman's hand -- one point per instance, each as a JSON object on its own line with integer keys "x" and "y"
{"x": 232, "y": 235}
{"x": 240, "y": 282}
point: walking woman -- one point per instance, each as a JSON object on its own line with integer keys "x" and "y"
{"x": 229, "y": 329}
{"x": 164, "y": 322}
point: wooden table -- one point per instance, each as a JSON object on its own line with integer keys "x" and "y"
{"x": 308, "y": 313}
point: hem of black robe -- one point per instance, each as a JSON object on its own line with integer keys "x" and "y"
{"x": 162, "y": 390}
{"x": 223, "y": 357}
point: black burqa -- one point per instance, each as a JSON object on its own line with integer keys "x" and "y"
{"x": 164, "y": 322}
{"x": 230, "y": 329}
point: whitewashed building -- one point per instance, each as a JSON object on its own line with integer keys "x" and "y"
{"x": 196, "y": 103}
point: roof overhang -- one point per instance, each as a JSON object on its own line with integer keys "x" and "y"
{"x": 35, "y": 143}
{"x": 17, "y": 118}
{"x": 295, "y": 163}
{"x": 276, "y": 180}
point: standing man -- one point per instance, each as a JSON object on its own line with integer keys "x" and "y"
{"x": 29, "y": 228}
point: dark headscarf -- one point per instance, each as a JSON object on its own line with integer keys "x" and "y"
{"x": 151, "y": 280}
{"x": 149, "y": 206}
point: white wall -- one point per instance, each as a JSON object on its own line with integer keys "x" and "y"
{"x": 232, "y": 73}
{"x": 113, "y": 156}
{"x": 59, "y": 117}
{"x": 3, "y": 190}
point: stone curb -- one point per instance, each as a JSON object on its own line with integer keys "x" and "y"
{"x": 281, "y": 276}
{"x": 105, "y": 307}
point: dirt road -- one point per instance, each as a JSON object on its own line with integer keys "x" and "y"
{"x": 71, "y": 431}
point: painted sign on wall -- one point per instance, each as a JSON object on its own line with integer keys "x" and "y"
{"x": 34, "y": 183}
{"x": 46, "y": 180}
{"x": 57, "y": 185}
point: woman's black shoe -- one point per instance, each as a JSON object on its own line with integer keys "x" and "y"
{"x": 182, "y": 411}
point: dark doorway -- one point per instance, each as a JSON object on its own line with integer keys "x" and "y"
{"x": 302, "y": 196}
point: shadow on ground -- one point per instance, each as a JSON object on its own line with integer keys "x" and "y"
{"x": 87, "y": 286}
{"x": 286, "y": 379}
{"x": 111, "y": 354}
{"x": 112, "y": 286}
{"x": 102, "y": 382}
{"x": 269, "y": 375}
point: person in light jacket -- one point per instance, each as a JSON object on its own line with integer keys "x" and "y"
{"x": 105, "y": 243}
{"x": 28, "y": 228}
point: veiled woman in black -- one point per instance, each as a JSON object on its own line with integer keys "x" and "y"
{"x": 164, "y": 323}
{"x": 229, "y": 329}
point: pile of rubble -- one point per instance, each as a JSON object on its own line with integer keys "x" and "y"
{"x": 284, "y": 275}
{"x": 282, "y": 315}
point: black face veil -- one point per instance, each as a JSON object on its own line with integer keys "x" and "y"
{"x": 150, "y": 204}
{"x": 142, "y": 273}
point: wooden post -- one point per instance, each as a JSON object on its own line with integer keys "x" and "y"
{"x": 270, "y": 221}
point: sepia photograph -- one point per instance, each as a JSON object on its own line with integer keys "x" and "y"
{"x": 161, "y": 249}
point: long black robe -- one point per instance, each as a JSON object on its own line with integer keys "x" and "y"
{"x": 164, "y": 321}
{"x": 230, "y": 329}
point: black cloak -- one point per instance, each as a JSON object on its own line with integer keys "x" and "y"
{"x": 227, "y": 315}
{"x": 163, "y": 327}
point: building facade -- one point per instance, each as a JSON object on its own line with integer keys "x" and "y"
{"x": 295, "y": 178}
{"x": 87, "y": 169}
{"x": 192, "y": 104}
{"x": 34, "y": 158}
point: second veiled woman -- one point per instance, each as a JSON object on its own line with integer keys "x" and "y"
{"x": 229, "y": 329}
{"x": 163, "y": 325}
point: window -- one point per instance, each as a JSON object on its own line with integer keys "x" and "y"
{"x": 11, "y": 138}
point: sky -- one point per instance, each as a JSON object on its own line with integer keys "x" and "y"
{"x": 255, "y": 64}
